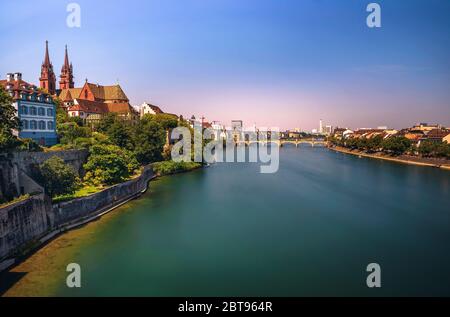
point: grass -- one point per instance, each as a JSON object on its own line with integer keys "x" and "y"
{"x": 86, "y": 190}
{"x": 15, "y": 200}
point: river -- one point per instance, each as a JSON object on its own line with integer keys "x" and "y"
{"x": 227, "y": 230}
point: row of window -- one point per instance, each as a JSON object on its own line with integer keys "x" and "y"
{"x": 33, "y": 111}
{"x": 33, "y": 97}
{"x": 35, "y": 125}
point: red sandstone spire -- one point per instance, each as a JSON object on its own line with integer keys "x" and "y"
{"x": 66, "y": 59}
{"x": 66, "y": 74}
{"x": 48, "y": 79}
{"x": 47, "y": 57}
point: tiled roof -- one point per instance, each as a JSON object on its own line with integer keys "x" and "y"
{"x": 106, "y": 93}
{"x": 438, "y": 133}
{"x": 101, "y": 107}
{"x": 69, "y": 94}
{"x": 21, "y": 86}
{"x": 88, "y": 106}
{"x": 119, "y": 107}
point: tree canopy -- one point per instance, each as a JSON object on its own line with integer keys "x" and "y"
{"x": 109, "y": 164}
{"x": 8, "y": 122}
{"x": 57, "y": 177}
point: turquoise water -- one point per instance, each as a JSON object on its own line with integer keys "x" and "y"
{"x": 310, "y": 229}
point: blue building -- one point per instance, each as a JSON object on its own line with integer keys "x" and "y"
{"x": 35, "y": 108}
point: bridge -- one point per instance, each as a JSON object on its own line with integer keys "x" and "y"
{"x": 312, "y": 142}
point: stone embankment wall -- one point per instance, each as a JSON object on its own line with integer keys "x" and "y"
{"x": 74, "y": 210}
{"x": 13, "y": 167}
{"x": 22, "y": 222}
{"x": 29, "y": 223}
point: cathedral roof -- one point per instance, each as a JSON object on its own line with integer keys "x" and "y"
{"x": 101, "y": 107}
{"x": 69, "y": 94}
{"x": 106, "y": 93}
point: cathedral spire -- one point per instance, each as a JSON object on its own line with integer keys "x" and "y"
{"x": 47, "y": 56}
{"x": 47, "y": 80}
{"x": 66, "y": 59}
{"x": 66, "y": 73}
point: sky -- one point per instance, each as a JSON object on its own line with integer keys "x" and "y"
{"x": 273, "y": 63}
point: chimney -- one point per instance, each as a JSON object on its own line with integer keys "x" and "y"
{"x": 9, "y": 77}
{"x": 17, "y": 76}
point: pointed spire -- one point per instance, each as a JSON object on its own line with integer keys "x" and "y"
{"x": 66, "y": 59}
{"x": 47, "y": 57}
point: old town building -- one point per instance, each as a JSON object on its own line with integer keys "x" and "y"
{"x": 35, "y": 109}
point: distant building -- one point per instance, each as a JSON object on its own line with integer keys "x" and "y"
{"x": 35, "y": 108}
{"x": 236, "y": 130}
{"x": 437, "y": 135}
{"x": 328, "y": 130}
{"x": 425, "y": 127}
{"x": 320, "y": 126}
{"x": 147, "y": 108}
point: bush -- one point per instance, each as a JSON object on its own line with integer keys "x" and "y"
{"x": 29, "y": 145}
{"x": 171, "y": 167}
{"x": 57, "y": 177}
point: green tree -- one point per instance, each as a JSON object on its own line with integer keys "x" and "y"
{"x": 109, "y": 164}
{"x": 106, "y": 122}
{"x": 68, "y": 132}
{"x": 149, "y": 138}
{"x": 167, "y": 121}
{"x": 426, "y": 148}
{"x": 118, "y": 131}
{"x": 434, "y": 149}
{"x": 57, "y": 177}
{"x": 374, "y": 143}
{"x": 396, "y": 145}
{"x": 8, "y": 122}
{"x": 120, "y": 134}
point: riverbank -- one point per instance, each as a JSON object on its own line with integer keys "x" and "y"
{"x": 404, "y": 159}
{"x": 79, "y": 221}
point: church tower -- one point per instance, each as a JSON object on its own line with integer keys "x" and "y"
{"x": 66, "y": 74}
{"x": 48, "y": 79}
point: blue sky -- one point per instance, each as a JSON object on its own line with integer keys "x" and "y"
{"x": 282, "y": 63}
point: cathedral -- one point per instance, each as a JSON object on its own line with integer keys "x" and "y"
{"x": 90, "y": 102}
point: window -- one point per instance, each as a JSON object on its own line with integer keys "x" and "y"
{"x": 25, "y": 124}
{"x": 50, "y": 125}
{"x": 50, "y": 112}
{"x": 33, "y": 125}
{"x": 33, "y": 111}
{"x": 41, "y": 111}
{"x": 85, "y": 94}
{"x": 24, "y": 110}
{"x": 41, "y": 125}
